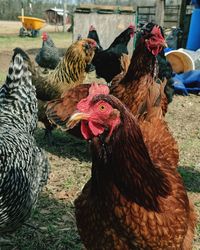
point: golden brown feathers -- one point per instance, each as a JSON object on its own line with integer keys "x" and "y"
{"x": 69, "y": 72}
{"x": 71, "y": 69}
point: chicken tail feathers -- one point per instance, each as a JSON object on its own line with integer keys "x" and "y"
{"x": 20, "y": 51}
{"x": 17, "y": 95}
{"x": 154, "y": 101}
{"x": 26, "y": 58}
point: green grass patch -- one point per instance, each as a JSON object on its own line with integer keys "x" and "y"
{"x": 9, "y": 42}
{"x": 54, "y": 228}
{"x": 2, "y": 78}
{"x": 191, "y": 178}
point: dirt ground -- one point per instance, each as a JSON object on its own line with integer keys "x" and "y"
{"x": 70, "y": 161}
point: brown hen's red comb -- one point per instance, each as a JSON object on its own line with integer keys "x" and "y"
{"x": 94, "y": 90}
{"x": 98, "y": 89}
{"x": 156, "y": 31}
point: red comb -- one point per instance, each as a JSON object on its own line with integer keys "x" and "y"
{"x": 94, "y": 90}
{"x": 156, "y": 30}
{"x": 91, "y": 28}
{"x": 131, "y": 26}
{"x": 44, "y": 36}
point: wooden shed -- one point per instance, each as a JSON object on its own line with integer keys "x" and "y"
{"x": 109, "y": 22}
{"x": 55, "y": 16}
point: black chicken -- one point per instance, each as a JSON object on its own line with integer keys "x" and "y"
{"x": 48, "y": 56}
{"x": 107, "y": 62}
{"x": 92, "y": 34}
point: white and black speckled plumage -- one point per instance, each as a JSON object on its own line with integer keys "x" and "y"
{"x": 23, "y": 165}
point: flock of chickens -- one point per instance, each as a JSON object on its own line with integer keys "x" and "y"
{"x": 135, "y": 198}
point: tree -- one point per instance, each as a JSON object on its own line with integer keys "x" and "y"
{"x": 160, "y": 12}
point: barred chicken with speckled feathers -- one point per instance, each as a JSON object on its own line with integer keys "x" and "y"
{"x": 24, "y": 166}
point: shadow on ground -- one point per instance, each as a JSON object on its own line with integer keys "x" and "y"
{"x": 64, "y": 145}
{"x": 54, "y": 224}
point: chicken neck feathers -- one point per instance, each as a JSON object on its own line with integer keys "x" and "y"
{"x": 165, "y": 69}
{"x": 132, "y": 87}
{"x": 142, "y": 63}
{"x": 71, "y": 69}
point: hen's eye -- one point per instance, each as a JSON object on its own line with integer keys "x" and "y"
{"x": 101, "y": 107}
{"x": 87, "y": 46}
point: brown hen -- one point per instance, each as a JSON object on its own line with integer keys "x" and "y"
{"x": 132, "y": 86}
{"x": 134, "y": 199}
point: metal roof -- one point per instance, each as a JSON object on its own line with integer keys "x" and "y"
{"x": 58, "y": 11}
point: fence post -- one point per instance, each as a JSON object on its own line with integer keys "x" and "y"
{"x": 64, "y": 15}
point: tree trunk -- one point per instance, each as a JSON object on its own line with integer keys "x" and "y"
{"x": 160, "y": 12}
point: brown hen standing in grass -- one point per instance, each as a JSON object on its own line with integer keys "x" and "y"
{"x": 134, "y": 199}
{"x": 70, "y": 71}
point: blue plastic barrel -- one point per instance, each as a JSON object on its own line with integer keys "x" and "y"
{"x": 196, "y": 3}
{"x": 193, "y": 42}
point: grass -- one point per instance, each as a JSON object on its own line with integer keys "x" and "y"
{"x": 53, "y": 223}
{"x": 2, "y": 77}
{"x": 9, "y": 42}
{"x": 55, "y": 227}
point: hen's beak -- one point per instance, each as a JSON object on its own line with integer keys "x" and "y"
{"x": 75, "y": 119}
{"x": 165, "y": 45}
{"x": 97, "y": 46}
